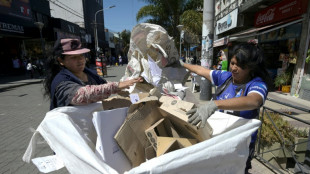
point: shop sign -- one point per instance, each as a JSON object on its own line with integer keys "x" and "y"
{"x": 227, "y": 23}
{"x": 280, "y": 11}
{"x": 16, "y": 8}
{"x": 11, "y": 28}
{"x": 62, "y": 34}
{"x": 69, "y": 27}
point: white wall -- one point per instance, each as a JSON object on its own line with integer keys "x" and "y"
{"x": 69, "y": 10}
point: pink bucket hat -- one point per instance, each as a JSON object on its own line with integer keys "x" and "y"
{"x": 69, "y": 47}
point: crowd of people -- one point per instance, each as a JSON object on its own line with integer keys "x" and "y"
{"x": 116, "y": 61}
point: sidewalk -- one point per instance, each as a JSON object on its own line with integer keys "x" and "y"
{"x": 7, "y": 82}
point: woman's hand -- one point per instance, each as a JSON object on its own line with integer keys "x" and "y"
{"x": 128, "y": 83}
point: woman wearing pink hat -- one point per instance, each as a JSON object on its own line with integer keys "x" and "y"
{"x": 69, "y": 82}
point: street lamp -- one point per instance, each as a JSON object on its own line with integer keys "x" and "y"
{"x": 180, "y": 27}
{"x": 40, "y": 25}
{"x": 96, "y": 34}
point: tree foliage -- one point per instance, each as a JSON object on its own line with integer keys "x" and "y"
{"x": 171, "y": 13}
{"x": 125, "y": 37}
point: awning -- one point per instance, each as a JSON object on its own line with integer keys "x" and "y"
{"x": 193, "y": 48}
{"x": 255, "y": 31}
{"x": 221, "y": 42}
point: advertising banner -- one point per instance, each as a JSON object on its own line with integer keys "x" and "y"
{"x": 228, "y": 22}
{"x": 280, "y": 11}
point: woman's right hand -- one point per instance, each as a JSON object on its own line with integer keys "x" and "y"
{"x": 128, "y": 83}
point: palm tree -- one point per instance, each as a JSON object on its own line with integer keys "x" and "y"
{"x": 170, "y": 13}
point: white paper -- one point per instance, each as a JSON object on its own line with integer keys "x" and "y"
{"x": 107, "y": 124}
{"x": 48, "y": 164}
{"x": 179, "y": 87}
{"x": 155, "y": 71}
{"x": 134, "y": 98}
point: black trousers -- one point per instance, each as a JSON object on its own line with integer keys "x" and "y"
{"x": 250, "y": 157}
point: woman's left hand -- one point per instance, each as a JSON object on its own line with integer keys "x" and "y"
{"x": 128, "y": 83}
{"x": 201, "y": 114}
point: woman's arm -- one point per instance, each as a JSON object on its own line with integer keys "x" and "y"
{"x": 249, "y": 102}
{"x": 198, "y": 70}
{"x": 93, "y": 93}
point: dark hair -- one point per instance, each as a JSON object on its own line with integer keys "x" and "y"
{"x": 52, "y": 69}
{"x": 250, "y": 55}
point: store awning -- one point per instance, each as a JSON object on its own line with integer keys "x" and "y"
{"x": 221, "y": 42}
{"x": 193, "y": 48}
{"x": 252, "y": 32}
{"x": 256, "y": 31}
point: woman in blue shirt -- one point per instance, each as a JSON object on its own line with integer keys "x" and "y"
{"x": 241, "y": 91}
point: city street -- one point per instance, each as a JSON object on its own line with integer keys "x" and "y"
{"x": 22, "y": 108}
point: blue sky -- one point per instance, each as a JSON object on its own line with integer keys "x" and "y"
{"x": 123, "y": 15}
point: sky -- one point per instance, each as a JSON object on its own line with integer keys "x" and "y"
{"x": 123, "y": 15}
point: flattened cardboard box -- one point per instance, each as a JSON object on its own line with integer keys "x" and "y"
{"x": 131, "y": 137}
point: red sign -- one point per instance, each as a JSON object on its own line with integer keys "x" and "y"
{"x": 99, "y": 64}
{"x": 280, "y": 11}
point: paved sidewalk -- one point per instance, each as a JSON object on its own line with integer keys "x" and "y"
{"x": 17, "y": 81}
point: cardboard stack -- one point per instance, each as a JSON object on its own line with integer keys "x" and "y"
{"x": 154, "y": 127}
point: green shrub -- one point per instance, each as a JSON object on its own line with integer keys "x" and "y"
{"x": 269, "y": 134}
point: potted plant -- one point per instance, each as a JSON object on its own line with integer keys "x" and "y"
{"x": 282, "y": 81}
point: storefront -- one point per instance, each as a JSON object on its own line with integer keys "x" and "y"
{"x": 281, "y": 49}
{"x": 14, "y": 28}
{"x": 17, "y": 29}
{"x": 281, "y": 40}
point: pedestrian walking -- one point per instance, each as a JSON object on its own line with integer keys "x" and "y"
{"x": 30, "y": 70}
{"x": 240, "y": 92}
{"x": 113, "y": 60}
{"x": 69, "y": 82}
{"x": 17, "y": 65}
{"x": 120, "y": 60}
{"x": 39, "y": 67}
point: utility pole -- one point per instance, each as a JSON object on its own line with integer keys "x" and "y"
{"x": 207, "y": 47}
{"x": 95, "y": 28}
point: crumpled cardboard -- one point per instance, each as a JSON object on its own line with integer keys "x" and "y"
{"x": 145, "y": 113}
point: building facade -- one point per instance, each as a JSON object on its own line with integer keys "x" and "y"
{"x": 281, "y": 28}
{"x": 19, "y": 36}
